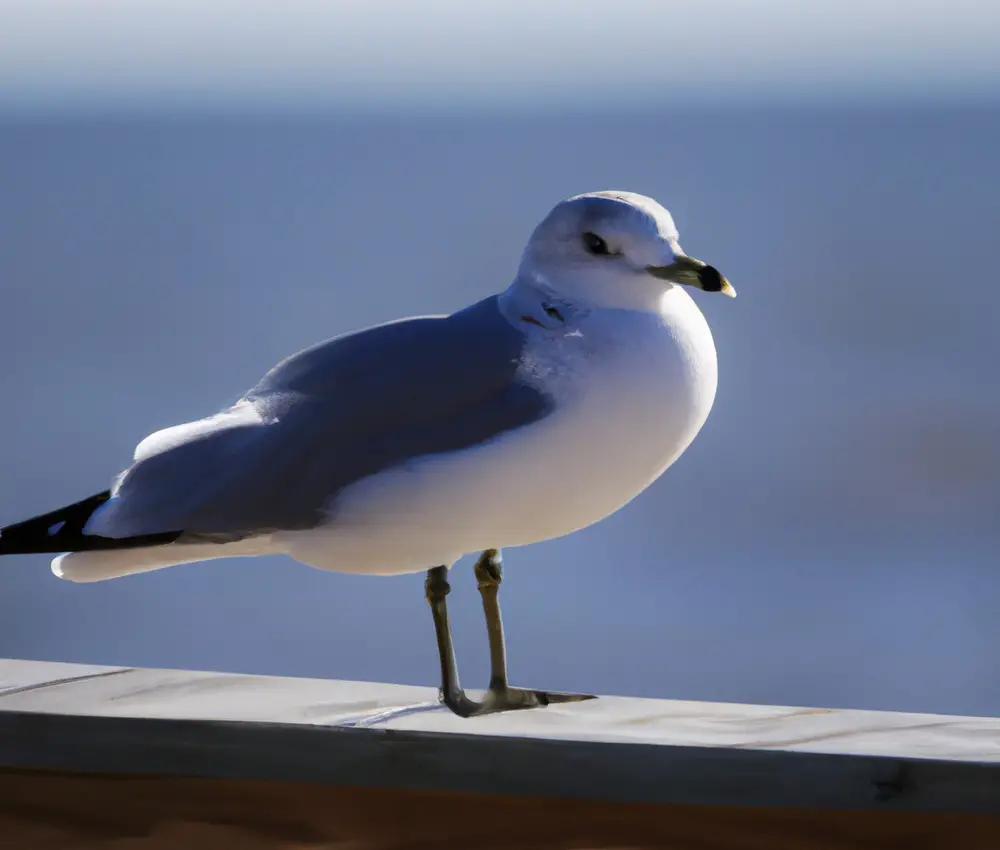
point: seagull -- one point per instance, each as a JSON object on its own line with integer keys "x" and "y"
{"x": 400, "y": 448}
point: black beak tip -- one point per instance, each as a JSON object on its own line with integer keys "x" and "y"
{"x": 711, "y": 280}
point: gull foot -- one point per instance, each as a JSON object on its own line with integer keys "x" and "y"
{"x": 508, "y": 699}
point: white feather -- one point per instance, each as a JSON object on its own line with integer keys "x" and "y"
{"x": 98, "y": 566}
{"x": 242, "y": 413}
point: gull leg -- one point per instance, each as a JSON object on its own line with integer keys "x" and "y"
{"x": 500, "y": 696}
{"x": 436, "y": 589}
{"x": 489, "y": 575}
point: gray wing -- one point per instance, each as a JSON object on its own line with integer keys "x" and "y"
{"x": 328, "y": 417}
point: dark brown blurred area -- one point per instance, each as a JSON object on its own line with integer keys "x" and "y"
{"x": 87, "y": 812}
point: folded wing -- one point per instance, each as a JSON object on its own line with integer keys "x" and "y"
{"x": 323, "y": 420}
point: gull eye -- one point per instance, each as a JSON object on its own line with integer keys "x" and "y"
{"x": 595, "y": 245}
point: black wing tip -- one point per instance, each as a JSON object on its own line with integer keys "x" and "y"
{"x": 62, "y": 531}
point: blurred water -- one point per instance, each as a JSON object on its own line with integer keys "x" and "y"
{"x": 831, "y": 536}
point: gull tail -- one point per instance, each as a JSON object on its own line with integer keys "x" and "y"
{"x": 91, "y": 557}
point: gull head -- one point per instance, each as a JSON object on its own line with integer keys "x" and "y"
{"x": 614, "y": 249}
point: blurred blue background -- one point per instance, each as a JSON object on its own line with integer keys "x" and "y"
{"x": 189, "y": 192}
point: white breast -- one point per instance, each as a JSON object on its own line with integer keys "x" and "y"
{"x": 631, "y": 391}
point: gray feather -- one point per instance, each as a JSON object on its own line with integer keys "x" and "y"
{"x": 333, "y": 415}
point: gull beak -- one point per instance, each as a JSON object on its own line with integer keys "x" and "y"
{"x": 688, "y": 271}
